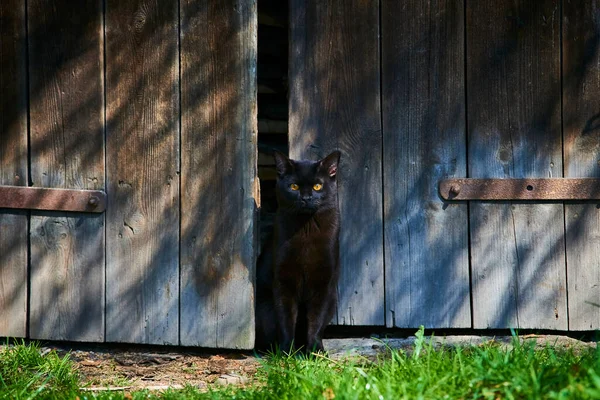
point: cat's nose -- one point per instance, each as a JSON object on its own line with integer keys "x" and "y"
{"x": 306, "y": 198}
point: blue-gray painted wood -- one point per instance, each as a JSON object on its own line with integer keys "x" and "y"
{"x": 426, "y": 240}
{"x": 218, "y": 94}
{"x": 514, "y": 131}
{"x": 581, "y": 113}
{"x": 142, "y": 132}
{"x": 334, "y": 80}
{"x": 67, "y": 151}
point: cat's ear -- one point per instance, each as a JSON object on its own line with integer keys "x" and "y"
{"x": 282, "y": 162}
{"x": 330, "y": 163}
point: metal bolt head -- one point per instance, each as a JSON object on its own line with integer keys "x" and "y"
{"x": 93, "y": 201}
{"x": 454, "y": 190}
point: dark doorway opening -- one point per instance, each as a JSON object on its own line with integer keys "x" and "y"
{"x": 272, "y": 75}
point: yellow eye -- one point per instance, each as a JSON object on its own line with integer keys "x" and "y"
{"x": 293, "y": 186}
{"x": 317, "y": 186}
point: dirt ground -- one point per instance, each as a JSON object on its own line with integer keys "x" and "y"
{"x": 135, "y": 368}
{"x": 123, "y": 368}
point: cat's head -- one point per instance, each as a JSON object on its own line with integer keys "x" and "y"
{"x": 306, "y": 186}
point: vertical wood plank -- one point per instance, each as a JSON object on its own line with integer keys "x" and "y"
{"x": 581, "y": 113}
{"x": 13, "y": 167}
{"x": 426, "y": 241}
{"x": 218, "y": 133}
{"x": 142, "y": 123}
{"x": 67, "y": 151}
{"x": 335, "y": 104}
{"x": 514, "y": 131}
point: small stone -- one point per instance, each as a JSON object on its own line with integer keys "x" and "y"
{"x": 231, "y": 379}
{"x": 201, "y": 385}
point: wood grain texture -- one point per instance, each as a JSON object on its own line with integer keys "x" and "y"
{"x": 581, "y": 121}
{"x": 142, "y": 123}
{"x": 13, "y": 167}
{"x": 335, "y": 104}
{"x": 426, "y": 241}
{"x": 514, "y": 131}
{"x": 219, "y": 133}
{"x": 67, "y": 151}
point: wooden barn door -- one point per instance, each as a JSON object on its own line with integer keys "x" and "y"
{"x": 181, "y": 145}
{"x": 414, "y": 92}
{"x": 155, "y": 104}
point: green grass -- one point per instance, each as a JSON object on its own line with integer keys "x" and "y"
{"x": 490, "y": 371}
{"x": 25, "y": 373}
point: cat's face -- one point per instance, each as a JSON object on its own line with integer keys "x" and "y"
{"x": 306, "y": 186}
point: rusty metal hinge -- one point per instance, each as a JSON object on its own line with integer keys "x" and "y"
{"x": 35, "y": 198}
{"x": 521, "y": 189}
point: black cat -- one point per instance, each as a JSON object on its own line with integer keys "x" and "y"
{"x": 298, "y": 271}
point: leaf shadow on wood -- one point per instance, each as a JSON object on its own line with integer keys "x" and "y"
{"x": 65, "y": 102}
{"x": 219, "y": 113}
{"x": 525, "y": 252}
{"x": 517, "y": 250}
{"x": 581, "y": 55}
{"x": 13, "y": 168}
{"x": 427, "y": 276}
{"x": 518, "y": 261}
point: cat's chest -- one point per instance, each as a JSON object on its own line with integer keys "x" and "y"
{"x": 307, "y": 248}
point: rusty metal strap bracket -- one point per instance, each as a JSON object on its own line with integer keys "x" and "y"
{"x": 521, "y": 189}
{"x": 36, "y": 198}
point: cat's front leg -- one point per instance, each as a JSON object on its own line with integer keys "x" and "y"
{"x": 286, "y": 309}
{"x": 320, "y": 312}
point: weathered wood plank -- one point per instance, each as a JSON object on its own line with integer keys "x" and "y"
{"x": 514, "y": 131}
{"x": 67, "y": 151}
{"x": 218, "y": 133}
{"x": 13, "y": 167}
{"x": 520, "y": 189}
{"x": 426, "y": 241}
{"x": 142, "y": 123}
{"x": 581, "y": 91}
{"x": 335, "y": 104}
